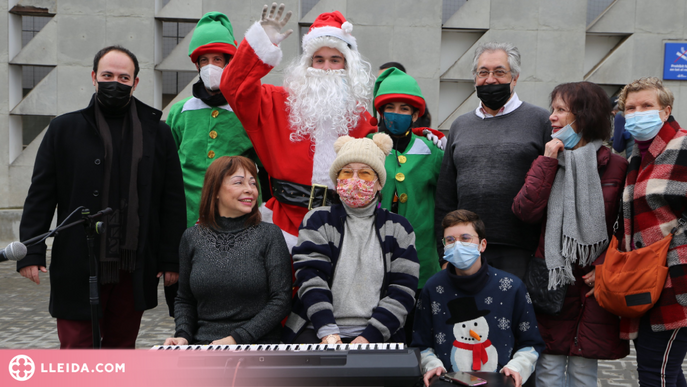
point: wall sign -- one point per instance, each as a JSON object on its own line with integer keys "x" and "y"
{"x": 675, "y": 61}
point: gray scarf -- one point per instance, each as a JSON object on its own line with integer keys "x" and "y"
{"x": 576, "y": 218}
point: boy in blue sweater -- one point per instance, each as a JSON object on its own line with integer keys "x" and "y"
{"x": 471, "y": 316}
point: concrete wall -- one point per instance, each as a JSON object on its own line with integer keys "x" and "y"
{"x": 622, "y": 44}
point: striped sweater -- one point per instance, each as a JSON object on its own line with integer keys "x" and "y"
{"x": 315, "y": 257}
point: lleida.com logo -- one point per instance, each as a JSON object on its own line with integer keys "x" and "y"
{"x": 22, "y": 368}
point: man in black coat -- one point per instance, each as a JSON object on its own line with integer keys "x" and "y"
{"x": 115, "y": 153}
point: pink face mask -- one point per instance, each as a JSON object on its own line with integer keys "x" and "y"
{"x": 355, "y": 192}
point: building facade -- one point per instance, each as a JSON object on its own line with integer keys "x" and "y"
{"x": 47, "y": 49}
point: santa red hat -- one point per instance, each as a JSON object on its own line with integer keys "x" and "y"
{"x": 332, "y": 24}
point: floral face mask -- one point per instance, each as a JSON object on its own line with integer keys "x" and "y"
{"x": 355, "y": 192}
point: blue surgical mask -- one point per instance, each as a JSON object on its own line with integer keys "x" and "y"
{"x": 396, "y": 123}
{"x": 568, "y": 136}
{"x": 643, "y": 126}
{"x": 460, "y": 256}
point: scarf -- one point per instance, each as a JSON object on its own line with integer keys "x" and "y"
{"x": 479, "y": 352}
{"x": 200, "y": 92}
{"x": 118, "y": 245}
{"x": 576, "y": 220}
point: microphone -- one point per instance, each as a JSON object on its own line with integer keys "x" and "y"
{"x": 15, "y": 251}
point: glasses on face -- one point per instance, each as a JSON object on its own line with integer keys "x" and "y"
{"x": 363, "y": 174}
{"x": 464, "y": 239}
{"x": 498, "y": 73}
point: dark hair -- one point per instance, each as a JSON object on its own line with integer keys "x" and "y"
{"x": 413, "y": 108}
{"x": 227, "y": 58}
{"x": 214, "y": 177}
{"x": 388, "y": 65}
{"x": 590, "y": 105}
{"x": 424, "y": 121}
{"x": 101, "y": 54}
{"x": 464, "y": 216}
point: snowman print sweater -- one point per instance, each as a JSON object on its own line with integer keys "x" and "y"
{"x": 480, "y": 322}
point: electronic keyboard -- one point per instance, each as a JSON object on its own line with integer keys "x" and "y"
{"x": 382, "y": 364}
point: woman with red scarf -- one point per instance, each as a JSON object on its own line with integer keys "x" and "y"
{"x": 654, "y": 199}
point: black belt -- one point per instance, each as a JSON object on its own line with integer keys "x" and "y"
{"x": 307, "y": 196}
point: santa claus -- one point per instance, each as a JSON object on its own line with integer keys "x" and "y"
{"x": 293, "y": 128}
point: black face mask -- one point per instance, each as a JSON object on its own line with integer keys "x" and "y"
{"x": 113, "y": 95}
{"x": 494, "y": 96}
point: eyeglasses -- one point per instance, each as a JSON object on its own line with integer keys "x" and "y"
{"x": 498, "y": 73}
{"x": 363, "y": 174}
{"x": 464, "y": 239}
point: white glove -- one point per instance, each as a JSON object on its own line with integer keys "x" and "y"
{"x": 272, "y": 25}
{"x": 439, "y": 142}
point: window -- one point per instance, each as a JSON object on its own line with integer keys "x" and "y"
{"x": 174, "y": 81}
{"x": 449, "y": 8}
{"x": 30, "y": 26}
{"x": 307, "y": 5}
{"x": 32, "y": 125}
{"x": 596, "y": 8}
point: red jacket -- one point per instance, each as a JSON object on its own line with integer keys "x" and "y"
{"x": 262, "y": 110}
{"x": 582, "y": 328}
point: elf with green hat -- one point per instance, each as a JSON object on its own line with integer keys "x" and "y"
{"x": 204, "y": 125}
{"x": 412, "y": 166}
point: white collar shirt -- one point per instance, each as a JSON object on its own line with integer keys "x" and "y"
{"x": 513, "y": 103}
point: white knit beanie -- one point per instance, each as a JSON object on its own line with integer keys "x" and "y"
{"x": 362, "y": 150}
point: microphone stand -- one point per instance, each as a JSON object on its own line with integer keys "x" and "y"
{"x": 93, "y": 228}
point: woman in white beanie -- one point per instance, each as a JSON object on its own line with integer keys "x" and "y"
{"x": 356, "y": 264}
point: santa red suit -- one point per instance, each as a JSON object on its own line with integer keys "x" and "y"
{"x": 264, "y": 113}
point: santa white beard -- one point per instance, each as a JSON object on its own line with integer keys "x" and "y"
{"x": 316, "y": 96}
{"x": 322, "y": 107}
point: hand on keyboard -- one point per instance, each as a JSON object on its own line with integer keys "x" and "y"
{"x": 225, "y": 341}
{"x": 360, "y": 340}
{"x": 176, "y": 341}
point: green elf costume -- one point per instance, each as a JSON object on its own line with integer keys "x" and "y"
{"x": 412, "y": 166}
{"x": 204, "y": 126}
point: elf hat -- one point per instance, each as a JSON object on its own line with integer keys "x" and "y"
{"x": 393, "y": 85}
{"x": 331, "y": 24}
{"x": 213, "y": 33}
{"x": 362, "y": 150}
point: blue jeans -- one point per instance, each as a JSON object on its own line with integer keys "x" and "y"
{"x": 565, "y": 371}
{"x": 660, "y": 356}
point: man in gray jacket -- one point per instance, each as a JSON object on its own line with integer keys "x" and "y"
{"x": 488, "y": 154}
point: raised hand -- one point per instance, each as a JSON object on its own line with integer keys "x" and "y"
{"x": 552, "y": 148}
{"x": 273, "y": 25}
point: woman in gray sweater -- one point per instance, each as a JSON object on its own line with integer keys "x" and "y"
{"x": 234, "y": 270}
